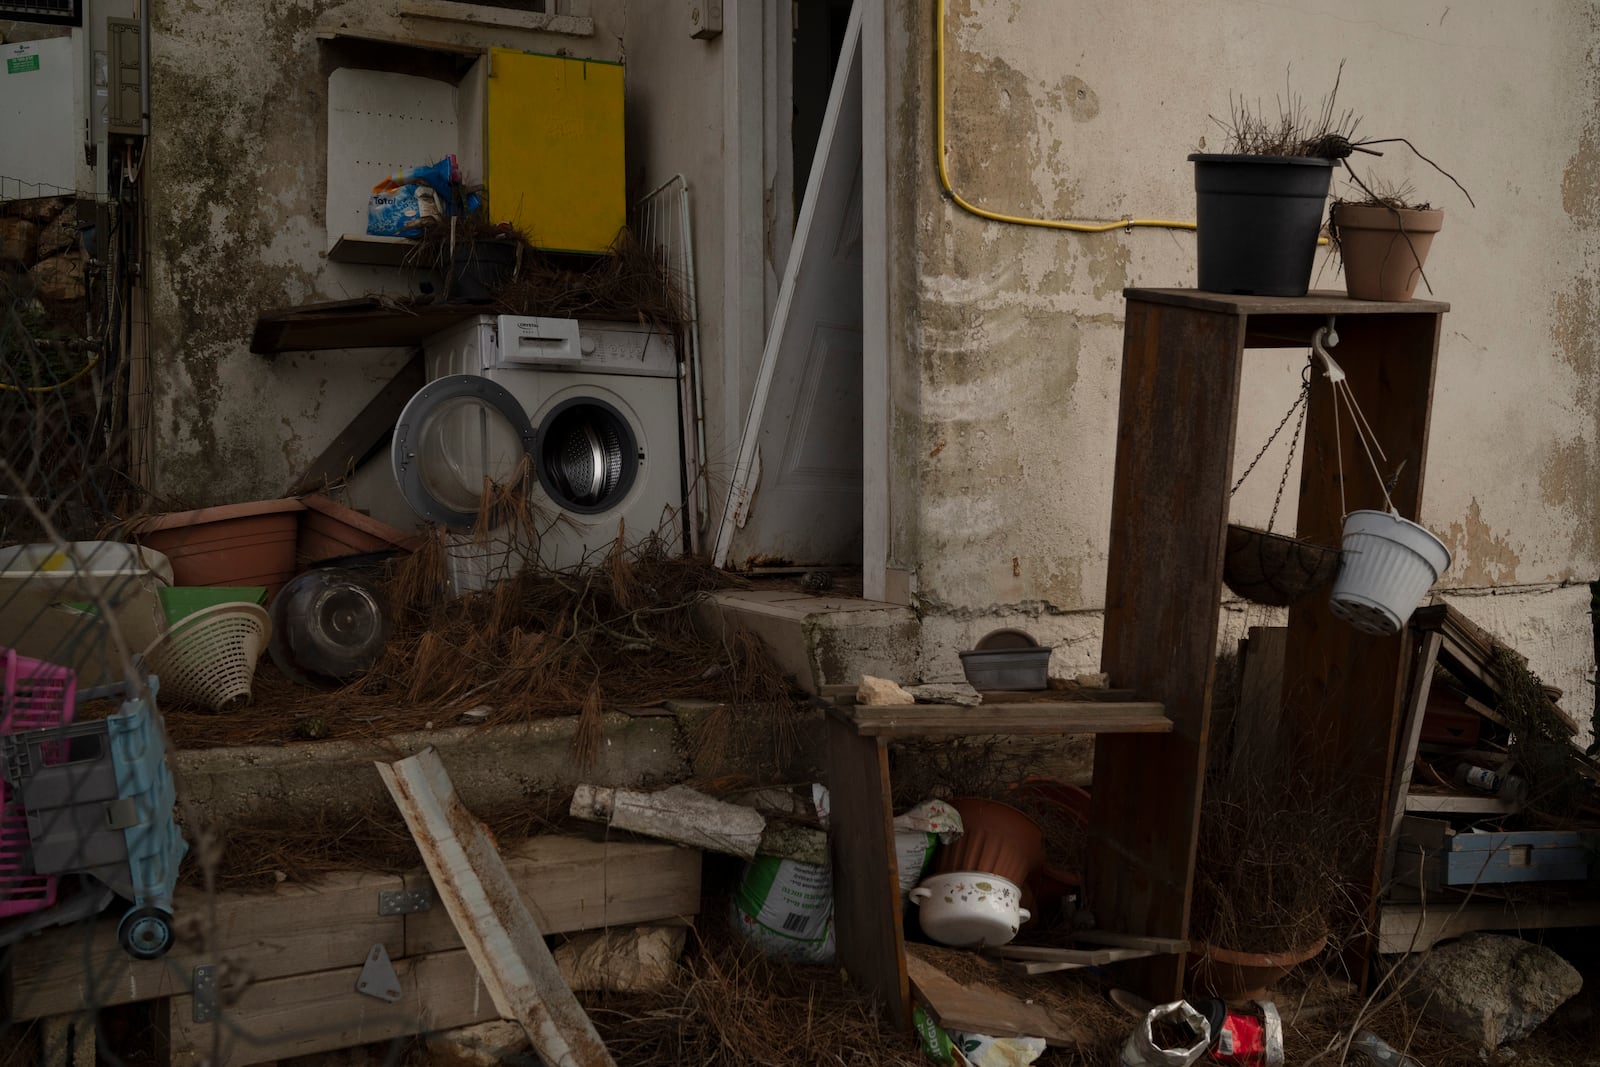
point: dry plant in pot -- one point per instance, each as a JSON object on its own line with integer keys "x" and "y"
{"x": 1268, "y": 888}
{"x": 1383, "y": 237}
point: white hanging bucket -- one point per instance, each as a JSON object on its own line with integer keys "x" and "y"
{"x": 1389, "y": 563}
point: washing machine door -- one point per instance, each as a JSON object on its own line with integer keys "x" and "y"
{"x": 588, "y": 455}
{"x": 456, "y": 435}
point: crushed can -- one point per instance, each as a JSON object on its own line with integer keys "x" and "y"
{"x": 1249, "y": 1037}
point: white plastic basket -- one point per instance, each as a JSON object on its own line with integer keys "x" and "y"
{"x": 209, "y": 658}
{"x": 1389, "y": 564}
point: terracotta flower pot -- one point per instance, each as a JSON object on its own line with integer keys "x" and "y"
{"x": 1241, "y": 976}
{"x": 1384, "y": 249}
{"x": 996, "y": 838}
{"x": 235, "y": 544}
{"x": 328, "y": 529}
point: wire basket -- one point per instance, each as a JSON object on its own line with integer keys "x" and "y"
{"x": 34, "y": 695}
{"x": 209, "y": 659}
{"x": 1273, "y": 568}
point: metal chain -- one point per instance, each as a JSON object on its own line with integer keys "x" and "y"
{"x": 1305, "y": 393}
{"x": 1294, "y": 443}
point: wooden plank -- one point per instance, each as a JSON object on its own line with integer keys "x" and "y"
{"x": 574, "y": 883}
{"x": 1317, "y": 302}
{"x": 290, "y": 931}
{"x": 985, "y": 1010}
{"x": 500, "y": 933}
{"x": 1169, "y": 518}
{"x": 571, "y": 883}
{"x": 1077, "y": 957}
{"x": 1119, "y": 940}
{"x": 365, "y": 323}
{"x": 363, "y": 435}
{"x": 309, "y": 1013}
{"x": 1423, "y": 660}
{"x": 866, "y": 900}
{"x": 1082, "y": 957}
{"x": 1418, "y": 927}
{"x": 1255, "y": 723}
{"x": 1457, "y": 804}
{"x": 1343, "y": 688}
{"x": 1073, "y": 717}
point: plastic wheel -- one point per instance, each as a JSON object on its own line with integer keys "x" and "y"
{"x": 146, "y": 933}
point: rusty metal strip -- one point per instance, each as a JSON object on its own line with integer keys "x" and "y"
{"x": 501, "y": 936}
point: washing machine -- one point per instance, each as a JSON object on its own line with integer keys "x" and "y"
{"x": 581, "y": 417}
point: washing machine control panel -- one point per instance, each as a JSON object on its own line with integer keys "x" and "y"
{"x": 589, "y": 347}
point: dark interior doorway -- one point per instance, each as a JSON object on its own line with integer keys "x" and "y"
{"x": 818, "y": 36}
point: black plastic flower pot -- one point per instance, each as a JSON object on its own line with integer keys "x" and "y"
{"x": 1257, "y": 221}
{"x": 479, "y": 268}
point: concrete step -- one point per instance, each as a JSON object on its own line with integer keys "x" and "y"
{"x": 823, "y": 640}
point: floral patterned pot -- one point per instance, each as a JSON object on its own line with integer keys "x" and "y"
{"x": 969, "y": 909}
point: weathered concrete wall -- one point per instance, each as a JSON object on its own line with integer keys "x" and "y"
{"x": 1005, "y": 342}
{"x": 237, "y": 181}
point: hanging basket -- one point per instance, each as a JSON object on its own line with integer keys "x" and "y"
{"x": 1272, "y": 568}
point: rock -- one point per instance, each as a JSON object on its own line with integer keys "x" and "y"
{"x": 946, "y": 693}
{"x": 1490, "y": 988}
{"x": 877, "y": 692}
{"x": 61, "y": 235}
{"x": 484, "y": 1045}
{"x": 19, "y": 241}
{"x": 639, "y": 959}
{"x": 39, "y": 209}
{"x": 1097, "y": 680}
{"x": 58, "y": 278}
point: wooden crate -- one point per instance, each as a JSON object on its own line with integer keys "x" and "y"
{"x": 1432, "y": 856}
{"x": 289, "y": 960}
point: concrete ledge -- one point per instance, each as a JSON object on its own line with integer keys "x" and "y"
{"x": 823, "y": 640}
{"x": 490, "y": 766}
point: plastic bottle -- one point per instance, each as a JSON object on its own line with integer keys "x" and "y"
{"x": 1380, "y": 1051}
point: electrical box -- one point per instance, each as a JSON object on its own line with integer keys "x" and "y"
{"x": 554, "y": 149}
{"x": 125, "y": 77}
{"x": 40, "y": 136}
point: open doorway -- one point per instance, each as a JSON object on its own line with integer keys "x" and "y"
{"x": 819, "y": 27}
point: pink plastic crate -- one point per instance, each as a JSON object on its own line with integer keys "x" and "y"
{"x": 34, "y": 695}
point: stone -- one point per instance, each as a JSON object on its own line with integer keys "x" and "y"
{"x": 1097, "y": 680}
{"x": 482, "y": 1045}
{"x": 946, "y": 693}
{"x": 58, "y": 278}
{"x": 19, "y": 241}
{"x": 878, "y": 692}
{"x": 61, "y": 235}
{"x": 39, "y": 209}
{"x": 1490, "y": 988}
{"x": 636, "y": 959}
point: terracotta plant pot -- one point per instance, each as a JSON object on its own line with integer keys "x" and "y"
{"x": 328, "y": 530}
{"x": 997, "y": 839}
{"x": 235, "y": 544}
{"x": 1384, "y": 249}
{"x": 1241, "y": 976}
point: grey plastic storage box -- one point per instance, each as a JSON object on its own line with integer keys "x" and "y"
{"x": 1007, "y": 668}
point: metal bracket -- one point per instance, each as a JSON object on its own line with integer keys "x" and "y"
{"x": 405, "y": 901}
{"x": 377, "y": 976}
{"x": 205, "y": 993}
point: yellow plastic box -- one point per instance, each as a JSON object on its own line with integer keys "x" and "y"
{"x": 554, "y": 151}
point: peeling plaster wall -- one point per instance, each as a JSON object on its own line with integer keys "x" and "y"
{"x": 1005, "y": 340}
{"x": 237, "y": 182}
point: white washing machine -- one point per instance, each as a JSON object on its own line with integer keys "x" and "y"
{"x": 583, "y": 415}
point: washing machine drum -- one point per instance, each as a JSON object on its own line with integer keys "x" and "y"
{"x": 457, "y": 436}
{"x": 587, "y": 455}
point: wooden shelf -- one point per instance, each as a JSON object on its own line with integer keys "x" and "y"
{"x": 1457, "y": 804}
{"x": 1062, "y": 717}
{"x": 365, "y": 250}
{"x": 366, "y": 322}
{"x": 1316, "y": 302}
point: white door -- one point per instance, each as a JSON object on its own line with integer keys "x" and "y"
{"x": 796, "y": 493}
